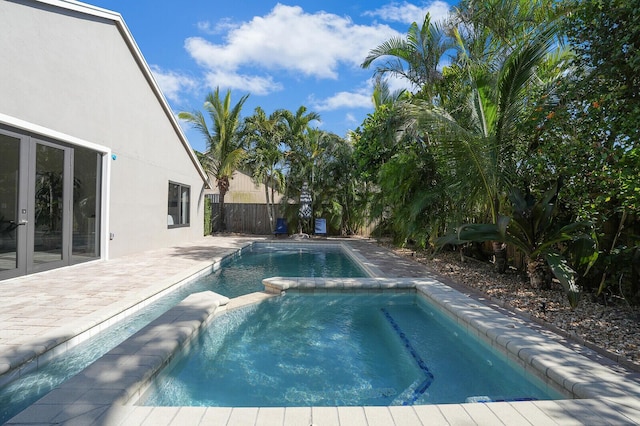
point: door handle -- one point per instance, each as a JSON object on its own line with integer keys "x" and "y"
{"x": 22, "y": 222}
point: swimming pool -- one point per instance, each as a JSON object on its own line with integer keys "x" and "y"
{"x": 240, "y": 274}
{"x": 244, "y": 274}
{"x": 116, "y": 380}
{"x": 339, "y": 350}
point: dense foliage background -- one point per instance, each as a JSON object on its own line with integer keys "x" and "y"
{"x": 520, "y": 133}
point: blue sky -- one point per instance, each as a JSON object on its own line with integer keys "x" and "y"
{"x": 283, "y": 54}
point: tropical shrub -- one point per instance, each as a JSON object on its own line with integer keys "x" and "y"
{"x": 533, "y": 229}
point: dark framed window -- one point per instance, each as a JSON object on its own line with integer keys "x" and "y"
{"x": 179, "y": 200}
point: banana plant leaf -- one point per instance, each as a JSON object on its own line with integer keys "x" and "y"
{"x": 471, "y": 232}
{"x": 567, "y": 276}
{"x": 572, "y": 232}
{"x": 479, "y": 232}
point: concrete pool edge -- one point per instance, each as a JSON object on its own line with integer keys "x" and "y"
{"x": 551, "y": 361}
{"x": 26, "y": 359}
{"x": 29, "y": 358}
{"x": 105, "y": 391}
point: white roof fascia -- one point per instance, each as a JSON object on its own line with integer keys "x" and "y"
{"x": 137, "y": 53}
{"x": 44, "y": 131}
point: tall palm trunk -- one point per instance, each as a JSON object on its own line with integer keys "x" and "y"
{"x": 222, "y": 225}
{"x": 225, "y": 148}
{"x": 269, "y": 207}
{"x": 223, "y": 186}
{"x": 273, "y": 204}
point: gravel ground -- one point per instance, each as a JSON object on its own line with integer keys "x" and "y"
{"x": 615, "y": 328}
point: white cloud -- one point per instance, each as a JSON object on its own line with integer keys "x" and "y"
{"x": 255, "y": 85}
{"x": 361, "y": 97}
{"x": 396, "y": 83}
{"x": 303, "y": 45}
{"x": 408, "y": 13}
{"x": 351, "y": 119}
{"x": 221, "y": 27}
{"x": 172, "y": 83}
{"x": 289, "y": 39}
{"x": 357, "y": 99}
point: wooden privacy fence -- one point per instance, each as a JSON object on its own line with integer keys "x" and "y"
{"x": 254, "y": 219}
{"x": 244, "y": 218}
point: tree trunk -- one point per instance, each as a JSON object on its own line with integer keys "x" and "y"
{"x": 269, "y": 208}
{"x": 222, "y": 225}
{"x": 537, "y": 271}
{"x": 223, "y": 187}
{"x": 273, "y": 205}
{"x": 635, "y": 273}
{"x": 500, "y": 256}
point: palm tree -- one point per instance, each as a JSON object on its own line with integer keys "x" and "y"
{"x": 298, "y": 123}
{"x": 480, "y": 143}
{"x": 503, "y": 23}
{"x": 299, "y": 149}
{"x": 534, "y": 229}
{"x": 382, "y": 94}
{"x": 265, "y": 136}
{"x": 225, "y": 149}
{"x": 469, "y": 115}
{"x": 415, "y": 58}
{"x": 297, "y": 152}
{"x": 392, "y": 155}
{"x": 342, "y": 192}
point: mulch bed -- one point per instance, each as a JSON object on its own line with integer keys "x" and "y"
{"x": 612, "y": 329}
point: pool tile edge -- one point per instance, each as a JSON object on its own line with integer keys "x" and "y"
{"x": 120, "y": 376}
{"x": 29, "y": 358}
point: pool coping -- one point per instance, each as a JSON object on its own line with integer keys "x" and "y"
{"x": 107, "y": 390}
{"x": 20, "y": 362}
{"x": 576, "y": 376}
{"x": 26, "y": 359}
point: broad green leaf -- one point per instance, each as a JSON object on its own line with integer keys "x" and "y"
{"x": 567, "y": 276}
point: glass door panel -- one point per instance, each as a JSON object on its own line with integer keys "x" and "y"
{"x": 49, "y": 204}
{"x": 9, "y": 220}
{"x": 86, "y": 204}
{"x": 48, "y": 229}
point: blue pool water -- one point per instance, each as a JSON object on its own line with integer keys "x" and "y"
{"x": 327, "y": 350}
{"x": 239, "y": 275}
{"x": 244, "y": 275}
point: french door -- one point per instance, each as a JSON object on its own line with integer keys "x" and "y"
{"x": 49, "y": 204}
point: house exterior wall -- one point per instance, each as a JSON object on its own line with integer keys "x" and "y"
{"x": 78, "y": 74}
{"x": 242, "y": 190}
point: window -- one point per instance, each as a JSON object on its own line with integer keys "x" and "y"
{"x": 178, "y": 213}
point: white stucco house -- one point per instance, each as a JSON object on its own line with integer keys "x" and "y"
{"x": 93, "y": 163}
